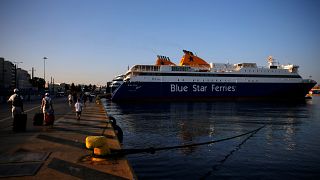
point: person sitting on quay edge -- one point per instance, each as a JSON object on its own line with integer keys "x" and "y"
{"x": 46, "y": 107}
{"x": 17, "y": 104}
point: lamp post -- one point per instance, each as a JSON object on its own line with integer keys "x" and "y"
{"x": 33, "y": 72}
{"x": 44, "y": 68}
{"x": 16, "y": 73}
{"x": 17, "y": 63}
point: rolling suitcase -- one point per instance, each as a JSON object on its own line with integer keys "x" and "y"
{"x": 38, "y": 119}
{"x": 49, "y": 120}
{"x": 19, "y": 123}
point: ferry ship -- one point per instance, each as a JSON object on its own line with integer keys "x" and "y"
{"x": 116, "y": 82}
{"x": 195, "y": 79}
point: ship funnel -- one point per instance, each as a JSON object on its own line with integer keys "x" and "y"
{"x": 164, "y": 60}
{"x": 189, "y": 59}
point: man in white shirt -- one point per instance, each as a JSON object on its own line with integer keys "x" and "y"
{"x": 78, "y": 107}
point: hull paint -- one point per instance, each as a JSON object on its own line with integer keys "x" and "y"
{"x": 155, "y": 91}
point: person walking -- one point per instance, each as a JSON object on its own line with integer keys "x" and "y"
{"x": 75, "y": 97}
{"x": 84, "y": 97}
{"x": 47, "y": 109}
{"x": 70, "y": 99}
{"x": 17, "y": 104}
{"x": 78, "y": 107}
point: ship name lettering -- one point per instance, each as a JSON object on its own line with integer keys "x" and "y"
{"x": 177, "y": 88}
{"x": 198, "y": 88}
{"x": 223, "y": 88}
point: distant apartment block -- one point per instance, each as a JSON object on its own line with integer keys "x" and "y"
{"x": 23, "y": 79}
{"x": 10, "y": 77}
{"x": 7, "y": 75}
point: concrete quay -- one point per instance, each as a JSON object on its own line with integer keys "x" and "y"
{"x": 59, "y": 152}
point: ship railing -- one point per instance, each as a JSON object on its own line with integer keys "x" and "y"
{"x": 145, "y": 68}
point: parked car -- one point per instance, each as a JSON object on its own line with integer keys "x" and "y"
{"x": 60, "y": 94}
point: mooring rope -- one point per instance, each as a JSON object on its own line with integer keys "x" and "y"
{"x": 221, "y": 162}
{"x": 152, "y": 150}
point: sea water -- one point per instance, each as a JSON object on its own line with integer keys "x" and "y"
{"x": 287, "y": 146}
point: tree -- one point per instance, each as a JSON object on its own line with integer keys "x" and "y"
{"x": 73, "y": 88}
{"x": 66, "y": 87}
{"x": 85, "y": 88}
{"x": 37, "y": 82}
{"x": 78, "y": 88}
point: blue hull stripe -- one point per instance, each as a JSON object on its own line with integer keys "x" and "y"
{"x": 129, "y": 91}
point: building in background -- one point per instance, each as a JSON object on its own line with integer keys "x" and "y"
{"x": 11, "y": 78}
{"x": 23, "y": 79}
{"x": 7, "y": 78}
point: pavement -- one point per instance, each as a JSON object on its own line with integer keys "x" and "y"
{"x": 59, "y": 152}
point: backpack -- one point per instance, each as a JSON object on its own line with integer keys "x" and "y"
{"x": 46, "y": 103}
{"x": 17, "y": 101}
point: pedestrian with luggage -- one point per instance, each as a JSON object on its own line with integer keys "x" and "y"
{"x": 78, "y": 107}
{"x": 19, "y": 119}
{"x": 17, "y": 104}
{"x": 47, "y": 109}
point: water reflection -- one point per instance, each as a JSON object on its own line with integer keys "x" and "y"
{"x": 190, "y": 122}
{"x": 170, "y": 124}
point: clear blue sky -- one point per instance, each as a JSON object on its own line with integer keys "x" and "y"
{"x": 92, "y": 41}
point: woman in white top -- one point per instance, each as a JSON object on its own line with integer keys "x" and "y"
{"x": 46, "y": 107}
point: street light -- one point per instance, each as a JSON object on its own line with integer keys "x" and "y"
{"x": 15, "y": 73}
{"x": 17, "y": 63}
{"x": 44, "y": 68}
{"x": 32, "y": 72}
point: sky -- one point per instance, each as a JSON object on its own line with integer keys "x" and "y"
{"x": 91, "y": 41}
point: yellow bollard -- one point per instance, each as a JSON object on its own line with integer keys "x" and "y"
{"x": 95, "y": 141}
